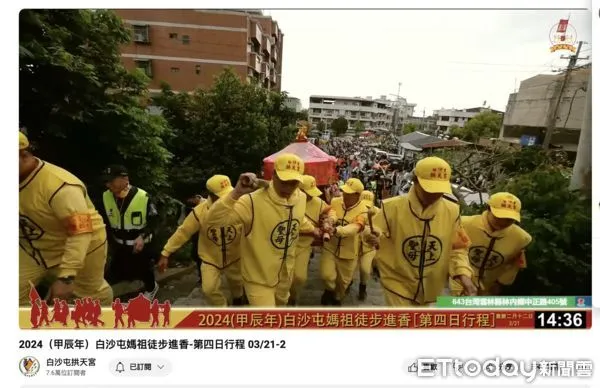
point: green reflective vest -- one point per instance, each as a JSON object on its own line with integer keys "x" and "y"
{"x": 133, "y": 218}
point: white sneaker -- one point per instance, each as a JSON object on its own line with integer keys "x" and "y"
{"x": 151, "y": 294}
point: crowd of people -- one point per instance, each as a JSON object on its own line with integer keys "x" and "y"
{"x": 382, "y": 176}
{"x": 395, "y": 217}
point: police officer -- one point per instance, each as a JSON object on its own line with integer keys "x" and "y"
{"x": 131, "y": 220}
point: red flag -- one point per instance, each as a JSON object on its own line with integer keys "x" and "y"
{"x": 562, "y": 26}
{"x": 33, "y": 294}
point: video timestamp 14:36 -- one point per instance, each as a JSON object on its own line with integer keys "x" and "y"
{"x": 561, "y": 319}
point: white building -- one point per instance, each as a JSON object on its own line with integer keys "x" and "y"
{"x": 447, "y": 118}
{"x": 374, "y": 114}
{"x": 293, "y": 103}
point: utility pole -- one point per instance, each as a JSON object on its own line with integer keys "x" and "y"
{"x": 553, "y": 116}
{"x": 582, "y": 170}
{"x": 396, "y": 117}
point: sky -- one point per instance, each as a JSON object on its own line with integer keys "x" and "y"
{"x": 443, "y": 59}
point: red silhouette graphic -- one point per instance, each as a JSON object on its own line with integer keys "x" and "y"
{"x": 154, "y": 311}
{"x": 96, "y": 313}
{"x": 44, "y": 314}
{"x": 35, "y": 315}
{"x": 118, "y": 309}
{"x": 78, "y": 314}
{"x": 166, "y": 313}
{"x": 60, "y": 311}
{"x": 87, "y": 311}
{"x": 138, "y": 309}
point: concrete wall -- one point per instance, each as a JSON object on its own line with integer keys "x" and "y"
{"x": 531, "y": 105}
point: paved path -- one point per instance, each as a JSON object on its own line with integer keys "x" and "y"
{"x": 311, "y": 296}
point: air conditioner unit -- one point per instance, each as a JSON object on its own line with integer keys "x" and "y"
{"x": 140, "y": 38}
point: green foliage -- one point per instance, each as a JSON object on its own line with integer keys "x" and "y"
{"x": 455, "y": 131}
{"x": 409, "y": 128}
{"x": 339, "y": 126}
{"x": 302, "y": 115}
{"x": 485, "y": 124}
{"x": 228, "y": 130}
{"x": 359, "y": 127}
{"x": 560, "y": 257}
{"x": 321, "y": 127}
{"x": 81, "y": 108}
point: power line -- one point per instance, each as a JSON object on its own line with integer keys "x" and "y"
{"x": 498, "y": 64}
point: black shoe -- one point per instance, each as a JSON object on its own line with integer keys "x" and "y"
{"x": 238, "y": 301}
{"x": 376, "y": 274}
{"x": 362, "y": 292}
{"x": 327, "y": 298}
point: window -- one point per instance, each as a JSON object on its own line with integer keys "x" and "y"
{"x": 141, "y": 34}
{"x": 174, "y": 70}
{"x": 445, "y": 118}
{"x": 144, "y": 65}
{"x": 197, "y": 69}
{"x": 185, "y": 39}
{"x": 456, "y": 119}
{"x": 173, "y": 35}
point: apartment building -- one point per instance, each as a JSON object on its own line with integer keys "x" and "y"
{"x": 293, "y": 103}
{"x": 374, "y": 114}
{"x": 187, "y": 48}
{"x": 447, "y": 118}
{"x": 527, "y": 111}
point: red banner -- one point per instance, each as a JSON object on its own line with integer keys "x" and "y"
{"x": 562, "y": 26}
{"x": 357, "y": 319}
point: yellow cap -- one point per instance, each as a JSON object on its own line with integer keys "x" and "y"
{"x": 353, "y": 186}
{"x": 219, "y": 185}
{"x": 23, "y": 141}
{"x": 505, "y": 205}
{"x": 289, "y": 167}
{"x": 434, "y": 175}
{"x": 309, "y": 186}
{"x": 367, "y": 196}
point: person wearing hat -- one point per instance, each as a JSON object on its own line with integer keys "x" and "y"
{"x": 498, "y": 244}
{"x": 340, "y": 254}
{"x": 131, "y": 219}
{"x": 366, "y": 253}
{"x": 273, "y": 218}
{"x": 318, "y": 213}
{"x": 218, "y": 246}
{"x": 61, "y": 235}
{"x": 421, "y": 239}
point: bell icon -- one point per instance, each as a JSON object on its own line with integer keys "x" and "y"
{"x": 120, "y": 367}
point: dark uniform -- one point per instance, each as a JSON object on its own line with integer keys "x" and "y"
{"x": 126, "y": 219}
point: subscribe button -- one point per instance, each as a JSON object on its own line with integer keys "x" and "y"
{"x": 140, "y": 367}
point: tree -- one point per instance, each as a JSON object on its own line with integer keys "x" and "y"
{"x": 485, "y": 124}
{"x": 359, "y": 127}
{"x": 81, "y": 108}
{"x": 227, "y": 130}
{"x": 339, "y": 126}
{"x": 455, "y": 131}
{"x": 321, "y": 127}
{"x": 409, "y": 128}
{"x": 302, "y": 115}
